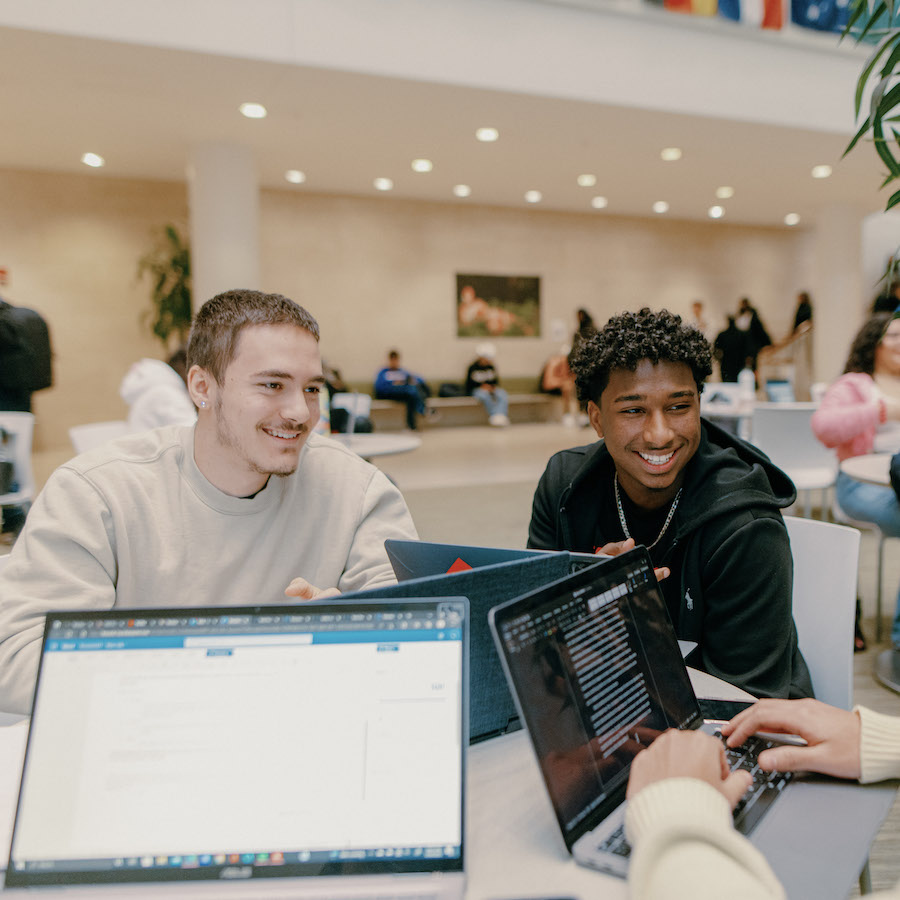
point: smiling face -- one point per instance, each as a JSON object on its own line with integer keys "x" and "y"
{"x": 257, "y": 420}
{"x": 887, "y": 353}
{"x": 650, "y": 421}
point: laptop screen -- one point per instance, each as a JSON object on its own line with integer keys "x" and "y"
{"x": 246, "y": 742}
{"x": 597, "y": 672}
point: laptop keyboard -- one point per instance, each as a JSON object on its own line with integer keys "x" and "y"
{"x": 766, "y": 786}
{"x": 752, "y": 806}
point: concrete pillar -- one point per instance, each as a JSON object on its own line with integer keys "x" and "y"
{"x": 839, "y": 292}
{"x": 223, "y": 193}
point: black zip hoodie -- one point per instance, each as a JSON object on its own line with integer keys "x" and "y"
{"x": 730, "y": 557}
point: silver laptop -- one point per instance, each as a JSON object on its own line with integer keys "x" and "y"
{"x": 597, "y": 674}
{"x": 305, "y": 751}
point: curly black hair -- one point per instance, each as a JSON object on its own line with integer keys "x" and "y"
{"x": 862, "y": 351}
{"x": 629, "y": 338}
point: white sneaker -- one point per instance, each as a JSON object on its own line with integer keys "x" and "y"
{"x": 568, "y": 420}
{"x": 499, "y": 420}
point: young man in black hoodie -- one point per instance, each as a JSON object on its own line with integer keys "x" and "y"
{"x": 705, "y": 504}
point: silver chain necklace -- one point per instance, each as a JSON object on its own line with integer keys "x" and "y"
{"x": 624, "y": 524}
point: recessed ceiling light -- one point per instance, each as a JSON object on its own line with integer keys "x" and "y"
{"x": 93, "y": 160}
{"x": 462, "y": 190}
{"x": 422, "y": 165}
{"x": 716, "y": 212}
{"x": 487, "y": 134}
{"x": 295, "y": 176}
{"x": 599, "y": 202}
{"x": 660, "y": 207}
{"x": 821, "y": 171}
{"x": 792, "y": 219}
{"x": 586, "y": 180}
{"x": 533, "y": 196}
{"x": 383, "y": 184}
{"x": 670, "y": 154}
{"x": 725, "y": 192}
{"x": 253, "y": 110}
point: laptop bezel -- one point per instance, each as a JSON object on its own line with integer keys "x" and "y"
{"x": 252, "y": 873}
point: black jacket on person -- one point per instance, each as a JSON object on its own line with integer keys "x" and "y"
{"x": 727, "y": 548}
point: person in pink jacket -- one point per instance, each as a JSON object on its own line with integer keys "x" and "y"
{"x": 860, "y": 413}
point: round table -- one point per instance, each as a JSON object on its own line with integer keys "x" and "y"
{"x": 369, "y": 446}
{"x": 872, "y": 468}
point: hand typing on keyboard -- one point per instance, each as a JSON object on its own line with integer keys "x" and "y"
{"x": 689, "y": 754}
{"x": 832, "y": 736}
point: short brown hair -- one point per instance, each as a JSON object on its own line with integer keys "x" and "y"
{"x": 217, "y": 326}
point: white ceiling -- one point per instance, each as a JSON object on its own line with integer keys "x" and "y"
{"x": 142, "y": 108}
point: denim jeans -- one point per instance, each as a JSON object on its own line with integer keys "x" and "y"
{"x": 496, "y": 402}
{"x": 413, "y": 395}
{"x": 876, "y": 504}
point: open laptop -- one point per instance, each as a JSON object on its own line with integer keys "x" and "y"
{"x": 492, "y": 711}
{"x": 419, "y": 559}
{"x": 597, "y": 674}
{"x": 304, "y": 751}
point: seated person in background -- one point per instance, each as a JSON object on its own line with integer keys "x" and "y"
{"x": 557, "y": 378}
{"x": 242, "y": 508}
{"x": 860, "y": 413}
{"x": 483, "y": 383}
{"x": 704, "y": 503}
{"x": 156, "y": 393}
{"x": 396, "y": 383}
{"x": 680, "y": 795}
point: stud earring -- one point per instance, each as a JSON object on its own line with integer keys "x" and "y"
{"x": 202, "y": 404}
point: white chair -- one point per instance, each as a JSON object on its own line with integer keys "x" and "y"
{"x": 357, "y": 406}
{"x": 840, "y": 516}
{"x": 783, "y": 432}
{"x": 86, "y": 437}
{"x": 20, "y": 428}
{"x": 826, "y": 560}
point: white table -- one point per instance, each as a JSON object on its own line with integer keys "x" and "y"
{"x": 871, "y": 468}
{"x": 369, "y": 446}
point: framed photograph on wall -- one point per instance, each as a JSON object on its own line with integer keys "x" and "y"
{"x": 498, "y": 306}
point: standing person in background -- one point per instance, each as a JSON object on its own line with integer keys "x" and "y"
{"x": 748, "y": 321}
{"x": 393, "y": 382}
{"x": 860, "y": 413}
{"x": 26, "y": 366}
{"x": 584, "y": 332}
{"x": 483, "y": 383}
{"x": 731, "y": 350}
{"x": 156, "y": 393}
{"x": 804, "y": 311}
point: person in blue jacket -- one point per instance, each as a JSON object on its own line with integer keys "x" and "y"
{"x": 393, "y": 382}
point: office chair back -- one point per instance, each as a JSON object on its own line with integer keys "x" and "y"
{"x": 20, "y": 428}
{"x": 826, "y": 561}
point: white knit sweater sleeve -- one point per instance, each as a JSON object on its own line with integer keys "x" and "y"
{"x": 681, "y": 827}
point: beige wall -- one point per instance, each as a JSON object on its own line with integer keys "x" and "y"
{"x": 71, "y": 245}
{"x": 380, "y": 273}
{"x": 376, "y": 273}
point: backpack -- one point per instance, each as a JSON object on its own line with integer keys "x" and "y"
{"x": 25, "y": 354}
